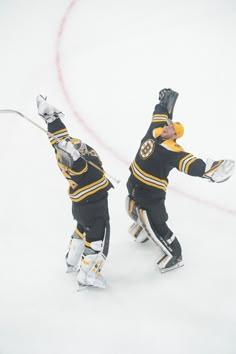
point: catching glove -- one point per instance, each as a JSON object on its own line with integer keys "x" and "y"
{"x": 46, "y": 111}
{"x": 167, "y": 98}
{"x": 68, "y": 154}
{"x": 219, "y": 171}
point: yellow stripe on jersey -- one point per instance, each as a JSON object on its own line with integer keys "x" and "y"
{"x": 89, "y": 189}
{"x": 188, "y": 164}
{"x": 185, "y": 162}
{"x": 148, "y": 179}
{"x": 58, "y": 135}
{"x": 76, "y": 173}
{"x": 182, "y": 161}
{"x": 71, "y": 172}
{"x": 160, "y": 118}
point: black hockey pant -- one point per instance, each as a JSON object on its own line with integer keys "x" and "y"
{"x": 93, "y": 219}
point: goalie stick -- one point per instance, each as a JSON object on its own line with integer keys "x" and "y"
{"x": 52, "y": 135}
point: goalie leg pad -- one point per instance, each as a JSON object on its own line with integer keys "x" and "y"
{"x": 169, "y": 247}
{"x": 91, "y": 264}
{"x": 75, "y": 251}
{"x": 138, "y": 233}
{"x": 144, "y": 222}
{"x": 166, "y": 263}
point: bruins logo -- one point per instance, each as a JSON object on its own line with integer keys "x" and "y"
{"x": 147, "y": 149}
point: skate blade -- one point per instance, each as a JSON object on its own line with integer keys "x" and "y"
{"x": 86, "y": 287}
{"x": 176, "y": 266}
{"x": 70, "y": 270}
{"x": 83, "y": 287}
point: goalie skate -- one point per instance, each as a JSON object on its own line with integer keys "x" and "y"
{"x": 82, "y": 286}
{"x": 166, "y": 264}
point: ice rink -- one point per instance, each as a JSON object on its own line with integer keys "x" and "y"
{"x": 103, "y": 63}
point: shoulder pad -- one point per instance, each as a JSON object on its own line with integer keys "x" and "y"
{"x": 172, "y": 146}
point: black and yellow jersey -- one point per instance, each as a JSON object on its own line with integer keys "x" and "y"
{"x": 155, "y": 159}
{"x": 86, "y": 182}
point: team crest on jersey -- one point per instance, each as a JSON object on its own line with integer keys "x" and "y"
{"x": 147, "y": 149}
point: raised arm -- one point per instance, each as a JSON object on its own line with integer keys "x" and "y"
{"x": 59, "y": 137}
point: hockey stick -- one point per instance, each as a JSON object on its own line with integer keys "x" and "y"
{"x": 52, "y": 135}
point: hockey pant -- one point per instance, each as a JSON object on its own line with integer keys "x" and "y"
{"x": 94, "y": 219}
{"x": 152, "y": 222}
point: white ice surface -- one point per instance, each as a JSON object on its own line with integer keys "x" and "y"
{"x": 114, "y": 58}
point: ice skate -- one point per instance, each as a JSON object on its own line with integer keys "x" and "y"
{"x": 86, "y": 280}
{"x": 166, "y": 265}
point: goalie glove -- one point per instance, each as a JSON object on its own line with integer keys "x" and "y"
{"x": 219, "y": 171}
{"x": 167, "y": 98}
{"x": 46, "y": 111}
{"x": 67, "y": 152}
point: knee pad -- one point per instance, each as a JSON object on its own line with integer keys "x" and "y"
{"x": 93, "y": 247}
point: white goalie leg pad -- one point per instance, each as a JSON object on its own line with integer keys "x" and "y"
{"x": 90, "y": 267}
{"x": 76, "y": 249}
{"x": 138, "y": 233}
{"x": 164, "y": 254}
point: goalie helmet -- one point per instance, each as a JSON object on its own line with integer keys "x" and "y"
{"x": 79, "y": 145}
{"x": 179, "y": 129}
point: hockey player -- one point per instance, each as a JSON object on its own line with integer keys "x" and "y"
{"x": 157, "y": 155}
{"x": 88, "y": 191}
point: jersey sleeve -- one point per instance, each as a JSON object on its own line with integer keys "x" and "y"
{"x": 59, "y": 132}
{"x": 160, "y": 119}
{"x": 184, "y": 161}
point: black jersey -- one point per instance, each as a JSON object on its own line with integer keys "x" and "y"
{"x": 155, "y": 159}
{"x": 86, "y": 182}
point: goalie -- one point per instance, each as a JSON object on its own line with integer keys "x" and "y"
{"x": 82, "y": 167}
{"x": 157, "y": 155}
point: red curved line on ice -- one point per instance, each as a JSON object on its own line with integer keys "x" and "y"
{"x": 91, "y": 131}
{"x": 66, "y": 94}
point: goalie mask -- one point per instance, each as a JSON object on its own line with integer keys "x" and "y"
{"x": 79, "y": 145}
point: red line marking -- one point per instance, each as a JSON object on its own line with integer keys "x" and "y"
{"x": 66, "y": 93}
{"x": 91, "y": 131}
